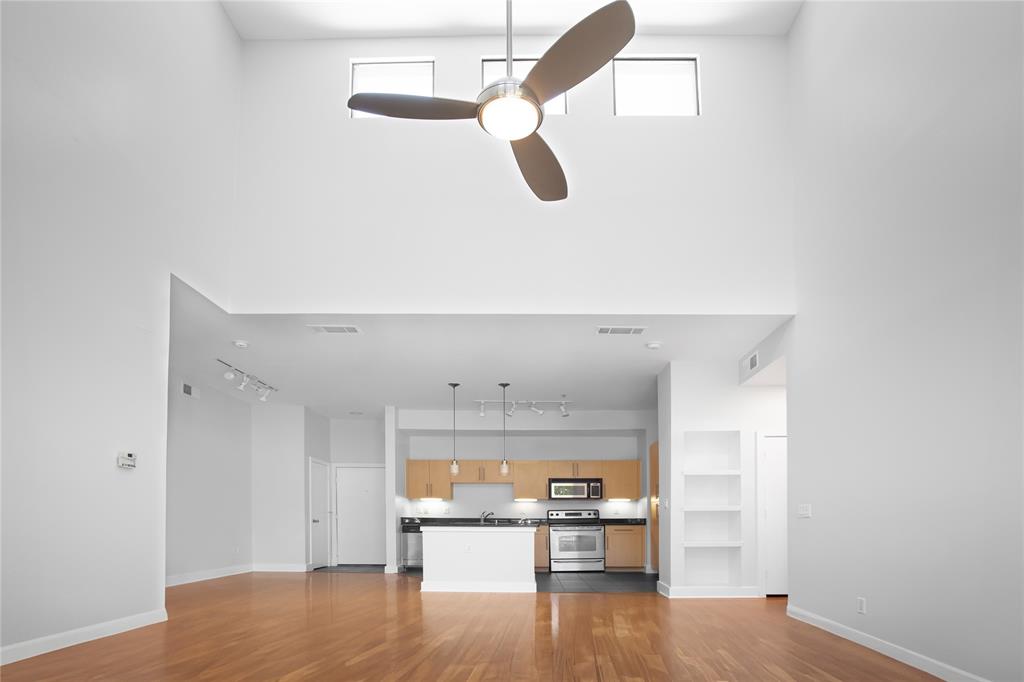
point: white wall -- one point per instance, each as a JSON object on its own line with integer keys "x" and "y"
{"x": 279, "y": 507}
{"x": 209, "y": 483}
{"x": 905, "y": 375}
{"x": 692, "y": 215}
{"x": 119, "y": 153}
{"x": 705, "y": 397}
{"x": 357, "y": 441}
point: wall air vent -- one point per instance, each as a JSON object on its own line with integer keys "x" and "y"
{"x": 752, "y": 362}
{"x": 619, "y": 330}
{"x": 189, "y": 390}
{"x": 335, "y": 328}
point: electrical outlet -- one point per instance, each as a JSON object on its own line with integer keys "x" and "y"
{"x": 862, "y": 605}
{"x": 803, "y": 511}
{"x": 447, "y": 509}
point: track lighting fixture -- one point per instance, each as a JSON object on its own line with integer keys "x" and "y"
{"x": 512, "y": 410}
{"x": 509, "y": 407}
{"x": 565, "y": 412}
{"x": 534, "y": 408}
{"x": 483, "y": 409}
{"x": 248, "y": 381}
{"x": 453, "y": 466}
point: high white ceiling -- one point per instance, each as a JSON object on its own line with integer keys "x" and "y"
{"x": 318, "y": 19}
{"x": 407, "y": 360}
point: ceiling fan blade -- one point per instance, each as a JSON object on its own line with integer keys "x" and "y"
{"x": 412, "y": 106}
{"x": 582, "y": 50}
{"x": 540, "y": 168}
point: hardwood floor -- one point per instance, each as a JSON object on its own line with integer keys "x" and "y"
{"x": 352, "y": 626}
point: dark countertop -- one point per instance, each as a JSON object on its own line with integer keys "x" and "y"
{"x": 411, "y": 524}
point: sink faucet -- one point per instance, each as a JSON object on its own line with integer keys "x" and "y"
{"x": 483, "y": 516}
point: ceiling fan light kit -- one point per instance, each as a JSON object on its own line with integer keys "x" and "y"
{"x": 512, "y": 109}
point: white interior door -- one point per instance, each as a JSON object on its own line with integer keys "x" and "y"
{"x": 319, "y": 521}
{"x": 772, "y": 468}
{"x": 360, "y": 515}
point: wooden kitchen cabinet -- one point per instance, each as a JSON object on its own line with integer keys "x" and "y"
{"x": 541, "y": 547}
{"x": 530, "y": 480}
{"x": 624, "y": 546}
{"x": 427, "y": 478}
{"x": 470, "y": 471}
{"x": 574, "y": 468}
{"x": 492, "y": 472}
{"x": 558, "y": 468}
{"x": 621, "y": 479}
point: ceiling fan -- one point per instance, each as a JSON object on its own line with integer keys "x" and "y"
{"x": 510, "y": 108}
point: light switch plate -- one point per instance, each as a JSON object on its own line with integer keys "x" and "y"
{"x": 803, "y": 511}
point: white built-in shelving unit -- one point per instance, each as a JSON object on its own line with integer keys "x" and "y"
{"x": 719, "y": 547}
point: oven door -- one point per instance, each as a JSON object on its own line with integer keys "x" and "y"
{"x": 569, "y": 490}
{"x": 577, "y": 542}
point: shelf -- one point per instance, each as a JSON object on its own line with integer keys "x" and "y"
{"x": 710, "y": 508}
{"x": 720, "y": 472}
{"x": 707, "y": 545}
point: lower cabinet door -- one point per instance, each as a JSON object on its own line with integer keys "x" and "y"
{"x": 541, "y": 548}
{"x": 624, "y": 546}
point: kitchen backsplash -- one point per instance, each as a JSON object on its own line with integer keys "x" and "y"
{"x": 471, "y": 499}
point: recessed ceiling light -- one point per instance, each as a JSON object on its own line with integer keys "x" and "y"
{"x": 654, "y": 345}
{"x": 241, "y": 343}
{"x": 229, "y": 375}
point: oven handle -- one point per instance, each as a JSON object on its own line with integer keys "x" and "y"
{"x": 576, "y": 529}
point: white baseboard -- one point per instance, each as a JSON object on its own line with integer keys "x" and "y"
{"x": 279, "y": 568}
{"x": 686, "y": 592}
{"x": 390, "y": 568}
{"x": 912, "y": 658}
{"x": 42, "y": 645}
{"x": 472, "y": 586}
{"x": 196, "y": 576}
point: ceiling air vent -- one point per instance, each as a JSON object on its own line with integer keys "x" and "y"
{"x": 335, "y": 328}
{"x": 618, "y": 330}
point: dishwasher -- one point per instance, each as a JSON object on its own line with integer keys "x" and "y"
{"x": 412, "y": 542}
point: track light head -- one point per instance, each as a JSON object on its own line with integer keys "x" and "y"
{"x": 245, "y": 382}
{"x": 565, "y": 412}
{"x": 483, "y": 409}
{"x": 535, "y": 409}
{"x": 512, "y": 410}
{"x": 264, "y": 395}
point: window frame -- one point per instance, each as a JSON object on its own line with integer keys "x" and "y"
{"x": 695, "y": 58}
{"x": 358, "y": 61}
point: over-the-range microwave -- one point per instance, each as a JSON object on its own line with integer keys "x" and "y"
{"x": 575, "y": 488}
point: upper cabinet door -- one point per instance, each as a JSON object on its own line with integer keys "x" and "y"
{"x": 492, "y": 472}
{"x": 621, "y": 479}
{"x": 589, "y": 469}
{"x": 561, "y": 469}
{"x": 440, "y": 479}
{"x": 417, "y": 478}
{"x": 470, "y": 471}
{"x": 530, "y": 480}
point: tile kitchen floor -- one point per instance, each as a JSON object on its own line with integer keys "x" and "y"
{"x": 597, "y": 582}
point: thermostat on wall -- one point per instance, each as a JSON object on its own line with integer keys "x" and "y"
{"x": 126, "y": 460}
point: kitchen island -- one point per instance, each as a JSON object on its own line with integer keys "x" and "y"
{"x": 477, "y": 557}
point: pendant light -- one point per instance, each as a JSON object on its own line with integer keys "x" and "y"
{"x": 453, "y": 466}
{"x": 503, "y": 469}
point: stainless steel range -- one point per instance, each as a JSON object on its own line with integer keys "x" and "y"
{"x": 577, "y": 540}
